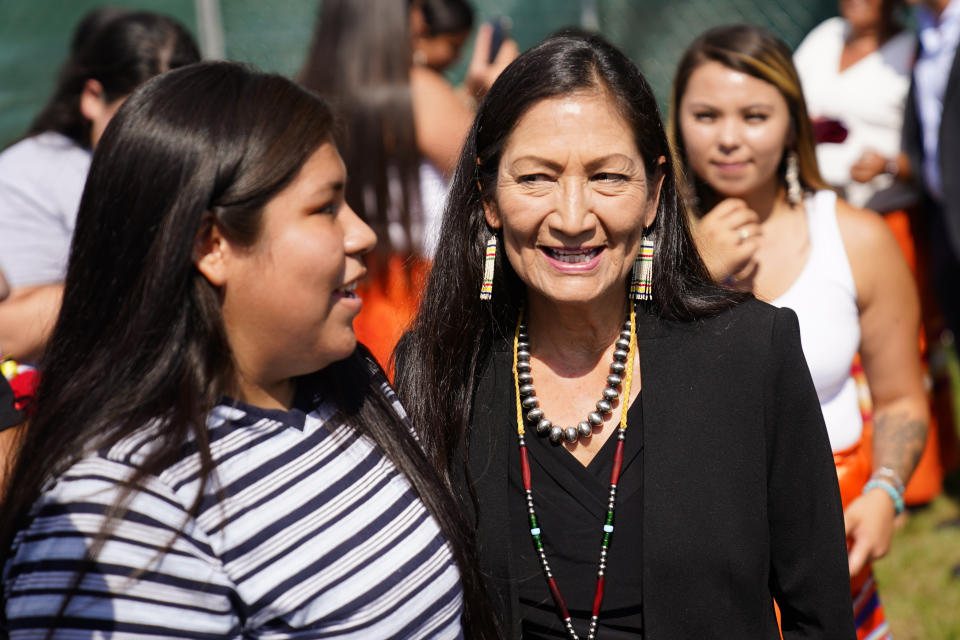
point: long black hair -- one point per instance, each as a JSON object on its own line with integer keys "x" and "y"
{"x": 119, "y": 49}
{"x": 140, "y": 338}
{"x": 360, "y": 61}
{"x": 454, "y": 330}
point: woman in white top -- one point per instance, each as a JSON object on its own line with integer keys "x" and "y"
{"x": 769, "y": 224}
{"x": 42, "y": 176}
{"x": 855, "y": 70}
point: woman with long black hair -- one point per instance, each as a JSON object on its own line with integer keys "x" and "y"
{"x": 699, "y": 487}
{"x": 403, "y": 128}
{"x": 212, "y": 454}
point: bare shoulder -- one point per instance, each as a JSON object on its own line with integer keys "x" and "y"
{"x": 429, "y": 84}
{"x": 865, "y": 235}
{"x": 878, "y": 265}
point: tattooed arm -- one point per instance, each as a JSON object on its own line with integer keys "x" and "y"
{"x": 890, "y": 327}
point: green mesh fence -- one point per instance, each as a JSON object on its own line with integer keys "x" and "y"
{"x": 274, "y": 34}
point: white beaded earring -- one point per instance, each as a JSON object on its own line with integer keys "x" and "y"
{"x": 792, "y": 177}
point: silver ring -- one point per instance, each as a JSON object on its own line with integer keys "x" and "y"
{"x": 743, "y": 234}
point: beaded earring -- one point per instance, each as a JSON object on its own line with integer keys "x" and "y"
{"x": 489, "y": 260}
{"x": 792, "y": 177}
{"x": 641, "y": 285}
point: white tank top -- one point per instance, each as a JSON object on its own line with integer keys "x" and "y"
{"x": 824, "y": 298}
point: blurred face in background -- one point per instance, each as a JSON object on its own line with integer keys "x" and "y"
{"x": 440, "y": 51}
{"x": 97, "y": 109}
{"x": 735, "y": 128}
{"x": 866, "y": 14}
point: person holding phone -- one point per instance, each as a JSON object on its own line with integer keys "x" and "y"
{"x": 404, "y": 124}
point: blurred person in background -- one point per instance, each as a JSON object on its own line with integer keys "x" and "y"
{"x": 856, "y": 73}
{"x": 932, "y": 142}
{"x": 212, "y": 453}
{"x": 931, "y": 147}
{"x": 403, "y": 125}
{"x": 766, "y": 222}
{"x": 42, "y": 176}
{"x": 439, "y": 29}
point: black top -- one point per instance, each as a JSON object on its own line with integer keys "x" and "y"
{"x": 740, "y": 500}
{"x": 571, "y": 505}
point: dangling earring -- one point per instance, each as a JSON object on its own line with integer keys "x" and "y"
{"x": 489, "y": 260}
{"x": 792, "y": 177}
{"x": 641, "y": 286}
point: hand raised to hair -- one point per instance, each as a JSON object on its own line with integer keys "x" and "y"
{"x": 728, "y": 237}
{"x": 869, "y": 524}
{"x": 481, "y": 73}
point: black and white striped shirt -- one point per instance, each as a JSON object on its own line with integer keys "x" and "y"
{"x": 318, "y": 536}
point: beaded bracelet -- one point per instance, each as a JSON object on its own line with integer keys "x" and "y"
{"x": 891, "y": 476}
{"x": 878, "y": 483}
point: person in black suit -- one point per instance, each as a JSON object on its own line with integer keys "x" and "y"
{"x": 700, "y": 487}
{"x": 932, "y": 142}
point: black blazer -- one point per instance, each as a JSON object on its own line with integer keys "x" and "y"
{"x": 949, "y": 149}
{"x": 740, "y": 494}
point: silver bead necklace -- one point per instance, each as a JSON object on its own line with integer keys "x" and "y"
{"x": 530, "y": 403}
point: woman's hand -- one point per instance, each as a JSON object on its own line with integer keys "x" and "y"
{"x": 868, "y": 521}
{"x": 871, "y": 164}
{"x": 482, "y": 73}
{"x": 728, "y": 237}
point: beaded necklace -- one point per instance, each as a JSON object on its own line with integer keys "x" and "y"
{"x": 611, "y": 501}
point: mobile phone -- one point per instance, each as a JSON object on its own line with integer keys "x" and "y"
{"x": 501, "y": 31}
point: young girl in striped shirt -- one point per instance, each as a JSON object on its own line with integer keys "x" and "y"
{"x": 213, "y": 456}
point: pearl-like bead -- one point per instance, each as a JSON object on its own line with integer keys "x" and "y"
{"x": 620, "y": 355}
{"x": 623, "y": 343}
{"x": 523, "y": 355}
{"x": 617, "y": 368}
{"x": 525, "y": 378}
{"x": 523, "y": 366}
{"x": 595, "y": 419}
{"x": 604, "y": 406}
{"x": 613, "y": 380}
{"x": 530, "y": 402}
{"x": 584, "y": 430}
{"x": 535, "y": 414}
{"x": 544, "y": 426}
{"x": 527, "y": 390}
{"x": 570, "y": 434}
{"x": 556, "y": 434}
{"x": 609, "y": 393}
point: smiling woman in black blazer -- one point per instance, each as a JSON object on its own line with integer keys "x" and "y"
{"x": 686, "y": 510}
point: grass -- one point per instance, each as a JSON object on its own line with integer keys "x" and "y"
{"x": 919, "y": 580}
